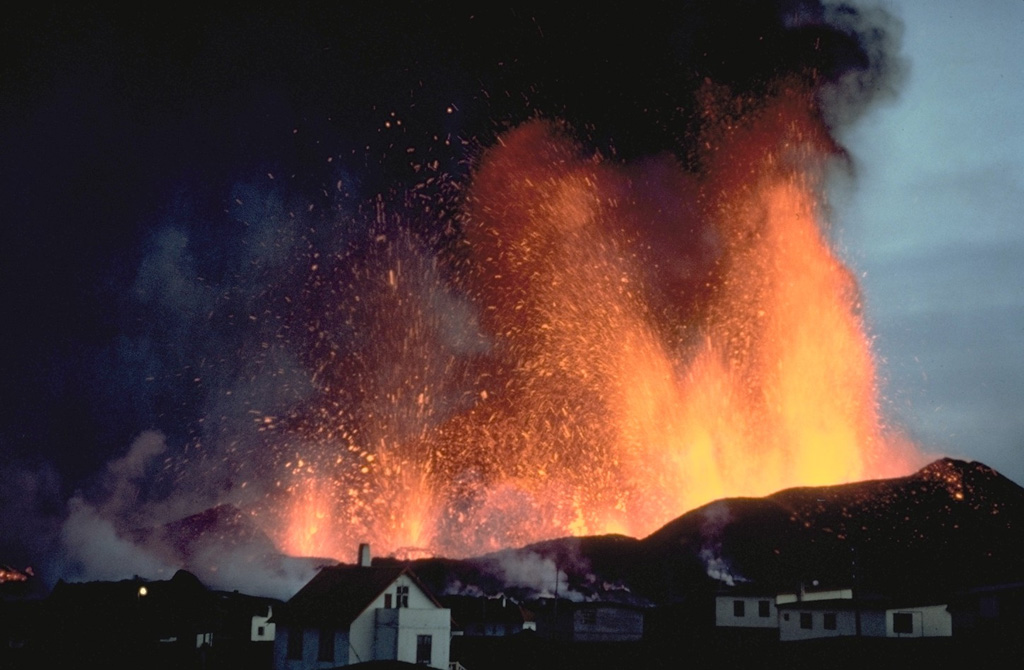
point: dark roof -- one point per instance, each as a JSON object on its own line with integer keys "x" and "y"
{"x": 338, "y": 594}
{"x": 243, "y": 603}
{"x": 167, "y": 606}
{"x": 471, "y": 609}
{"x": 182, "y": 586}
{"x": 994, "y": 588}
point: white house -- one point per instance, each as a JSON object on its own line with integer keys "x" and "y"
{"x": 261, "y": 628}
{"x": 848, "y": 617}
{"x": 354, "y": 613}
{"x": 736, "y": 609}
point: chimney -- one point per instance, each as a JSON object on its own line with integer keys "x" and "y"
{"x": 364, "y": 555}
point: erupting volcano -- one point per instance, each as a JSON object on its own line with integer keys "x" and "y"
{"x": 603, "y": 346}
{"x": 453, "y": 281}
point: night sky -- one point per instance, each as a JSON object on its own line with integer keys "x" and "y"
{"x": 167, "y": 179}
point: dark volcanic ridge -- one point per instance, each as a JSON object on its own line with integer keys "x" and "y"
{"x": 950, "y": 526}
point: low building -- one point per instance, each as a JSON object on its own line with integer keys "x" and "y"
{"x": 593, "y": 621}
{"x": 990, "y": 612}
{"x": 745, "y": 608}
{"x": 246, "y": 633}
{"x": 170, "y": 623}
{"x": 351, "y": 614}
{"x": 489, "y": 617}
{"x": 853, "y": 617}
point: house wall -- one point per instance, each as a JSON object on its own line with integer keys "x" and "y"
{"x": 380, "y": 633}
{"x": 261, "y": 630}
{"x": 790, "y": 629}
{"x": 872, "y": 623}
{"x": 607, "y": 624}
{"x": 434, "y": 622}
{"x": 310, "y": 650}
{"x": 725, "y": 612}
{"x": 495, "y": 628}
{"x": 928, "y": 621}
{"x": 398, "y": 629}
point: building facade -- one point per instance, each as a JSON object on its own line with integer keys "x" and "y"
{"x": 353, "y": 614}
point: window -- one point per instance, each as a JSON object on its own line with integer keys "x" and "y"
{"x": 261, "y": 631}
{"x": 325, "y": 650}
{"x": 902, "y": 622}
{"x": 764, "y": 609}
{"x": 424, "y": 645}
{"x": 295, "y": 643}
{"x": 806, "y": 622}
{"x": 402, "y": 597}
{"x": 387, "y": 601}
{"x": 830, "y": 621}
{"x": 589, "y": 616}
{"x": 738, "y": 608}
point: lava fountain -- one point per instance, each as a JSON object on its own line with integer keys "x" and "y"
{"x": 608, "y": 346}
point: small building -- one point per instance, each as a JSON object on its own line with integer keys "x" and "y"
{"x": 852, "y": 617}
{"x": 169, "y": 623}
{"x": 351, "y": 614}
{"x": 489, "y": 617}
{"x": 245, "y": 633}
{"x": 593, "y": 621}
{"x": 745, "y": 608}
{"x": 990, "y": 612}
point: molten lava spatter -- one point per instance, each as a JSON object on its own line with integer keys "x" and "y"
{"x": 615, "y": 345}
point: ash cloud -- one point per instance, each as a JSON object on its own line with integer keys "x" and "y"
{"x": 877, "y": 73}
{"x": 114, "y": 532}
{"x": 94, "y": 534}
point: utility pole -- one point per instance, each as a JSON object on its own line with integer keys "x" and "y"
{"x": 853, "y": 586}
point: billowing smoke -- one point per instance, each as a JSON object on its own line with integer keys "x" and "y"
{"x": 716, "y": 518}
{"x": 339, "y": 318}
{"x": 117, "y": 532}
{"x": 528, "y": 574}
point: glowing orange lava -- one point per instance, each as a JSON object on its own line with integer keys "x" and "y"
{"x": 615, "y": 345}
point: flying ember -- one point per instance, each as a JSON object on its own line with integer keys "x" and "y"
{"x": 605, "y": 347}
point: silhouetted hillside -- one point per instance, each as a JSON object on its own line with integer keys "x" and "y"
{"x": 950, "y": 526}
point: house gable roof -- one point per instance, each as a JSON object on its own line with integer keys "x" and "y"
{"x": 338, "y": 594}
